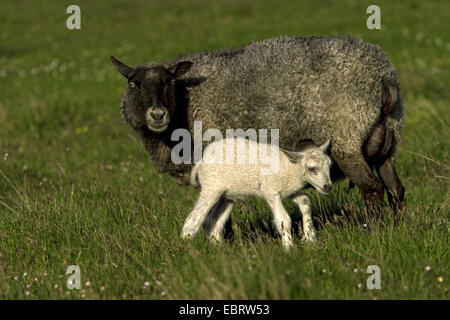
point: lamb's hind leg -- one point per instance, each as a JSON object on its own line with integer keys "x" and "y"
{"x": 219, "y": 216}
{"x": 282, "y": 220}
{"x": 359, "y": 173}
{"x": 206, "y": 200}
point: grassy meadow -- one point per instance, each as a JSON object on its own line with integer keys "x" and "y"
{"x": 77, "y": 188}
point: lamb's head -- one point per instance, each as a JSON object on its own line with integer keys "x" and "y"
{"x": 150, "y": 93}
{"x": 315, "y": 166}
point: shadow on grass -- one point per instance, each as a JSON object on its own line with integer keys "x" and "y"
{"x": 343, "y": 208}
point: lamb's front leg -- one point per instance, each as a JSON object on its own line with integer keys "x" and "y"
{"x": 206, "y": 200}
{"x": 304, "y": 204}
{"x": 281, "y": 219}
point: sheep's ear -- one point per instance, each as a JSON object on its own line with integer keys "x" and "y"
{"x": 325, "y": 146}
{"x": 121, "y": 67}
{"x": 180, "y": 68}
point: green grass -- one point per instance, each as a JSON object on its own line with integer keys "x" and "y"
{"x": 76, "y": 187}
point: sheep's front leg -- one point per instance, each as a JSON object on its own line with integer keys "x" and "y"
{"x": 281, "y": 219}
{"x": 205, "y": 202}
{"x": 304, "y": 204}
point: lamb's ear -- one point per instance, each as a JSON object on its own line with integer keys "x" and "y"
{"x": 180, "y": 68}
{"x": 121, "y": 67}
{"x": 293, "y": 156}
{"x": 325, "y": 146}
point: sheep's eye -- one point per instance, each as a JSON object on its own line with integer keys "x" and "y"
{"x": 312, "y": 170}
{"x": 132, "y": 84}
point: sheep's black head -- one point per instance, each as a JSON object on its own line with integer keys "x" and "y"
{"x": 150, "y": 95}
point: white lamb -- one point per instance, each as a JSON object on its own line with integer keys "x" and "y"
{"x": 221, "y": 183}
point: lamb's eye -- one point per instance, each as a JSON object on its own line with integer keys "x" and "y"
{"x": 312, "y": 170}
{"x": 132, "y": 84}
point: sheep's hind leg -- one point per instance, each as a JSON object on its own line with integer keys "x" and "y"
{"x": 281, "y": 219}
{"x": 394, "y": 187}
{"x": 206, "y": 200}
{"x": 359, "y": 173}
{"x": 219, "y": 216}
{"x": 304, "y": 204}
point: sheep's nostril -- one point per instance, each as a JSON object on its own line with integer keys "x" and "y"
{"x": 327, "y": 187}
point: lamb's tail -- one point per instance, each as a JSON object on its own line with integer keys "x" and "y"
{"x": 194, "y": 177}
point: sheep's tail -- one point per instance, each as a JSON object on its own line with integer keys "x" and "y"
{"x": 194, "y": 177}
{"x": 393, "y": 111}
{"x": 385, "y": 136}
{"x": 390, "y": 97}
